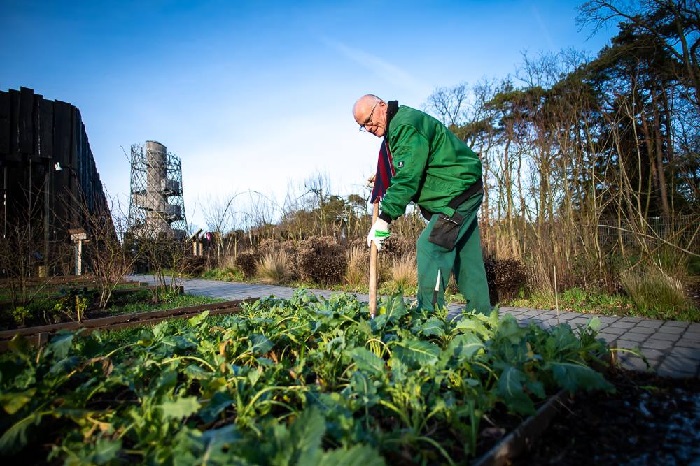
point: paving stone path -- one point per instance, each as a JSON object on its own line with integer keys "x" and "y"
{"x": 671, "y": 348}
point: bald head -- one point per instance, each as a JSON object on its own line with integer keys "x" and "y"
{"x": 369, "y": 112}
{"x": 364, "y": 104}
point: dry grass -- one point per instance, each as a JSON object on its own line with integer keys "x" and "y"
{"x": 228, "y": 262}
{"x": 404, "y": 273}
{"x": 274, "y": 267}
{"x": 654, "y": 291}
{"x": 357, "y": 272}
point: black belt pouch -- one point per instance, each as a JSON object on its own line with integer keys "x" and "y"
{"x": 446, "y": 230}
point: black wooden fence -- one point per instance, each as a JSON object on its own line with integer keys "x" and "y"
{"x": 48, "y": 170}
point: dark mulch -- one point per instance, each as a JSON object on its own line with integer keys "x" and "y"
{"x": 648, "y": 421}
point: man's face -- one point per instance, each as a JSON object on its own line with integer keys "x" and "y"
{"x": 373, "y": 120}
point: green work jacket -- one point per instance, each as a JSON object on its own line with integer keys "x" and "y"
{"x": 432, "y": 166}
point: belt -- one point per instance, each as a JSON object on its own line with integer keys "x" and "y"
{"x": 475, "y": 188}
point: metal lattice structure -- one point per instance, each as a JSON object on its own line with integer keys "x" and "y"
{"x": 156, "y": 206}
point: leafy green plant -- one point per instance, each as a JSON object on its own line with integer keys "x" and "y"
{"x": 228, "y": 274}
{"x": 304, "y": 379}
{"x": 20, "y": 314}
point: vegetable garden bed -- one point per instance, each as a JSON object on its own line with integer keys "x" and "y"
{"x": 56, "y": 299}
{"x": 298, "y": 381}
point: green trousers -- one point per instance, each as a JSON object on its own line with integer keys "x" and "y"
{"x": 465, "y": 261}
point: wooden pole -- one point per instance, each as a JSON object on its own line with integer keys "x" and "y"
{"x": 373, "y": 268}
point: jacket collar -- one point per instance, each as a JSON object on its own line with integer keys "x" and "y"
{"x": 392, "y": 108}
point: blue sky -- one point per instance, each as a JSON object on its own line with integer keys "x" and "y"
{"x": 257, "y": 95}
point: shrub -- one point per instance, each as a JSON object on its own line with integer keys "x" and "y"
{"x": 506, "y": 277}
{"x": 322, "y": 260}
{"x": 396, "y": 247}
{"x": 193, "y": 265}
{"x": 247, "y": 262}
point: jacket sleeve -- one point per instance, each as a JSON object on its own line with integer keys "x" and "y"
{"x": 410, "y": 151}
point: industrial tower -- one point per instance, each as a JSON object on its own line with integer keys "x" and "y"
{"x": 156, "y": 206}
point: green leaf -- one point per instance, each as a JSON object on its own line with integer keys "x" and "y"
{"x": 180, "y": 342}
{"x": 193, "y": 371}
{"x": 198, "y": 319}
{"x": 218, "y": 403}
{"x": 104, "y": 451}
{"x": 358, "y": 455}
{"x": 595, "y": 324}
{"x": 211, "y": 447}
{"x": 399, "y": 370}
{"x": 472, "y": 325}
{"x": 395, "y": 309}
{"x": 464, "y": 346}
{"x": 15, "y": 437}
{"x": 367, "y": 361}
{"x": 510, "y": 330}
{"x": 306, "y": 434}
{"x": 261, "y": 344}
{"x": 433, "y": 327}
{"x": 573, "y": 377}
{"x": 379, "y": 322}
{"x": 60, "y": 345}
{"x": 362, "y": 389}
{"x": 20, "y": 346}
{"x": 65, "y": 365}
{"x": 511, "y": 389}
{"x": 562, "y": 340}
{"x": 13, "y": 402}
{"x": 222, "y": 436}
{"x": 416, "y": 353}
{"x": 180, "y": 408}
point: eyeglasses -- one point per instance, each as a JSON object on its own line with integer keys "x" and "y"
{"x": 369, "y": 118}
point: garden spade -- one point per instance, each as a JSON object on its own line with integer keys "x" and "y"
{"x": 373, "y": 267}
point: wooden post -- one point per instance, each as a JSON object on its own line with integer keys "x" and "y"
{"x": 373, "y": 268}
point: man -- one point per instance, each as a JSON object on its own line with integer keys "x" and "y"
{"x": 438, "y": 172}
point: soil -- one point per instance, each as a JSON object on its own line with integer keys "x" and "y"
{"x": 648, "y": 421}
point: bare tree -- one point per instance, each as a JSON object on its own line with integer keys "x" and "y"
{"x": 106, "y": 255}
{"x": 219, "y": 215}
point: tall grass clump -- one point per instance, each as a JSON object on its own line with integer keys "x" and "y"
{"x": 357, "y": 272}
{"x": 656, "y": 294}
{"x": 399, "y": 275}
{"x": 274, "y": 267}
{"x": 404, "y": 273}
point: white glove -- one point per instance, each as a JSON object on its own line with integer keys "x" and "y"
{"x": 370, "y": 181}
{"x": 378, "y": 233}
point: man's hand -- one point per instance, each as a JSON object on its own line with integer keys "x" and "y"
{"x": 370, "y": 181}
{"x": 378, "y": 233}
